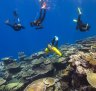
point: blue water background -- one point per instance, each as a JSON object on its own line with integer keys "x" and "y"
{"x": 58, "y": 21}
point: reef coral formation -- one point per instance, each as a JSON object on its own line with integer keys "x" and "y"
{"x": 75, "y": 70}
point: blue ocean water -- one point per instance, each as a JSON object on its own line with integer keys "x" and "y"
{"x": 58, "y": 21}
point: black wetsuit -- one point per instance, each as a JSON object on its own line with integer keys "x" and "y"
{"x": 81, "y": 26}
{"x": 16, "y": 26}
{"x": 37, "y": 23}
{"x": 54, "y": 43}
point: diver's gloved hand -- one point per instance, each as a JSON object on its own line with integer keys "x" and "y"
{"x": 7, "y": 21}
{"x": 79, "y": 11}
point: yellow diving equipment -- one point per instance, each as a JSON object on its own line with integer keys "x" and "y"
{"x": 47, "y": 50}
{"x": 53, "y": 49}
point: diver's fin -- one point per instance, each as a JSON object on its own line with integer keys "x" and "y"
{"x": 74, "y": 20}
{"x": 40, "y": 27}
{"x": 79, "y": 11}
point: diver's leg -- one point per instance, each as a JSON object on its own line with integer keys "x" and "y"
{"x": 85, "y": 26}
{"x": 43, "y": 16}
{"x": 7, "y": 22}
{"x": 77, "y": 27}
{"x": 31, "y": 24}
{"x": 79, "y": 22}
{"x": 41, "y": 10}
{"x": 39, "y": 27}
{"x": 41, "y": 2}
{"x": 10, "y": 25}
{"x": 22, "y": 27}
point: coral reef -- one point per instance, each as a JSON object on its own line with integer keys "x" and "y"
{"x": 2, "y": 81}
{"x": 91, "y": 78}
{"x": 36, "y": 86}
{"x": 75, "y": 70}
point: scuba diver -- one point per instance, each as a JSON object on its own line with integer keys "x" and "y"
{"x": 53, "y": 47}
{"x": 17, "y": 26}
{"x": 37, "y": 23}
{"x": 80, "y": 25}
{"x": 55, "y": 41}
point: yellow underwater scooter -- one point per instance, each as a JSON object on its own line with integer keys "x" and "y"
{"x": 51, "y": 48}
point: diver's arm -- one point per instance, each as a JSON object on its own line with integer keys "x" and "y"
{"x": 18, "y": 20}
{"x": 74, "y": 20}
{"x": 79, "y": 11}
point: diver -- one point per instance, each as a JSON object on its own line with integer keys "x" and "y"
{"x": 38, "y": 23}
{"x": 53, "y": 47}
{"x": 80, "y": 25}
{"x": 55, "y": 41}
{"x": 17, "y": 26}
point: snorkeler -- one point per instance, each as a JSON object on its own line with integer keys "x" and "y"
{"x": 17, "y": 26}
{"x": 80, "y": 25}
{"x": 53, "y": 47}
{"x": 37, "y": 23}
